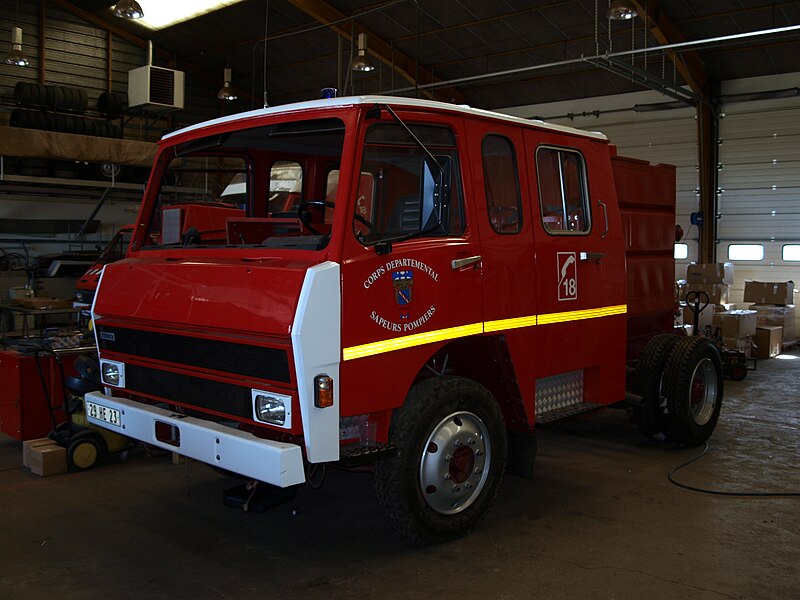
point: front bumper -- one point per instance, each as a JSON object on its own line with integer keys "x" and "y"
{"x": 273, "y": 462}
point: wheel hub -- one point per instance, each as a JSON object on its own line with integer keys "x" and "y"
{"x": 455, "y": 463}
{"x": 703, "y": 395}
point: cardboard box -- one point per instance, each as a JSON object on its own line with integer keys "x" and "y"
{"x": 710, "y": 273}
{"x": 744, "y": 345}
{"x": 717, "y": 292}
{"x": 48, "y": 460}
{"x": 771, "y": 315}
{"x": 765, "y": 292}
{"x": 28, "y": 445}
{"x": 735, "y": 323}
{"x": 705, "y": 319}
{"x": 46, "y": 303}
{"x": 768, "y": 342}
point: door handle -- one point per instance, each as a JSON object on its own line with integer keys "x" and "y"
{"x": 605, "y": 215}
{"x": 591, "y": 256}
{"x": 459, "y": 263}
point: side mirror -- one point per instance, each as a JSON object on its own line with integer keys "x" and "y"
{"x": 436, "y": 178}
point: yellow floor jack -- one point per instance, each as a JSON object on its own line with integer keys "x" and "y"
{"x": 85, "y": 443}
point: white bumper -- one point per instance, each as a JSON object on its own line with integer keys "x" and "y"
{"x": 230, "y": 449}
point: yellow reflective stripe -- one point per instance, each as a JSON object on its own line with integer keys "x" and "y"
{"x": 408, "y": 341}
{"x": 439, "y": 335}
{"x": 577, "y": 315}
{"x": 504, "y": 324}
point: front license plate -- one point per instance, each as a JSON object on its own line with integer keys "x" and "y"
{"x": 103, "y": 413}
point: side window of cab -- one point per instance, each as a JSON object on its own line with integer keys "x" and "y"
{"x": 563, "y": 191}
{"x": 501, "y": 183}
{"x": 409, "y": 184}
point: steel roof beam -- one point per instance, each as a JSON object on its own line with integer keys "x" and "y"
{"x": 378, "y": 48}
{"x": 689, "y": 64}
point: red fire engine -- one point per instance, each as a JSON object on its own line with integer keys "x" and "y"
{"x": 411, "y": 284}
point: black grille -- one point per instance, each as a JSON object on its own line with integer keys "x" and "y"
{"x": 225, "y": 357}
{"x": 202, "y": 393}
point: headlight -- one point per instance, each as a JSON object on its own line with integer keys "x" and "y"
{"x": 112, "y": 373}
{"x": 274, "y": 409}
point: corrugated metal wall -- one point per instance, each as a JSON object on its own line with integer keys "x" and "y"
{"x": 760, "y": 183}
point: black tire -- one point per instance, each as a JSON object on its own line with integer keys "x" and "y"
{"x": 109, "y": 104}
{"x": 694, "y": 391}
{"x": 449, "y": 430}
{"x": 23, "y": 93}
{"x": 84, "y": 450}
{"x": 34, "y": 167}
{"x": 20, "y": 118}
{"x": 737, "y": 371}
{"x": 649, "y": 384}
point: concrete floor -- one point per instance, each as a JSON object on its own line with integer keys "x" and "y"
{"x": 599, "y": 520}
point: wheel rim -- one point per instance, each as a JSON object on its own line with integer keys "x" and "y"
{"x": 455, "y": 463}
{"x": 703, "y": 392}
{"x": 84, "y": 455}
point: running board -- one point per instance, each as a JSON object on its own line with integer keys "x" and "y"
{"x": 357, "y": 455}
{"x": 557, "y": 414}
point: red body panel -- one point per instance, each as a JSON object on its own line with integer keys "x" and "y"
{"x": 23, "y": 406}
{"x": 254, "y": 296}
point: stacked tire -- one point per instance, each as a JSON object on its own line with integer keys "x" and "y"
{"x": 49, "y": 108}
{"x": 680, "y": 383}
{"x": 51, "y": 97}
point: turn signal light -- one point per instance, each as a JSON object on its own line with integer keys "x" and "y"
{"x": 323, "y": 391}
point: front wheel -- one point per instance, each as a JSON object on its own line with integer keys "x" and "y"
{"x": 451, "y": 454}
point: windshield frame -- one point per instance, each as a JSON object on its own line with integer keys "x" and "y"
{"x": 258, "y": 169}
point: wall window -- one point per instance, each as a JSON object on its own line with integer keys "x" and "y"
{"x": 746, "y": 252}
{"x": 502, "y": 184}
{"x": 791, "y": 252}
{"x": 681, "y": 251}
{"x": 563, "y": 193}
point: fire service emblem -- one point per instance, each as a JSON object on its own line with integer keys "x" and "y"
{"x": 403, "y": 283}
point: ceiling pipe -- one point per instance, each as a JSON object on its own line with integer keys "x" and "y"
{"x": 679, "y": 46}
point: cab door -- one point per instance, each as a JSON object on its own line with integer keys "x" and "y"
{"x": 411, "y": 278}
{"x": 506, "y": 225}
{"x": 580, "y": 271}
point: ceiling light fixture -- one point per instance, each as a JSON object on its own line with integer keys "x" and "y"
{"x": 128, "y": 9}
{"x": 226, "y": 91}
{"x": 16, "y": 56}
{"x": 167, "y": 13}
{"x": 362, "y": 62}
{"x": 622, "y": 10}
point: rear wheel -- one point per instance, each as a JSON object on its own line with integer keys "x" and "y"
{"x": 451, "y": 453}
{"x": 694, "y": 395}
{"x": 649, "y": 382}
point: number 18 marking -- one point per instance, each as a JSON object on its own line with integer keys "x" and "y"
{"x": 567, "y": 276}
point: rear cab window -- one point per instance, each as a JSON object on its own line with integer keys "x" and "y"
{"x": 563, "y": 191}
{"x": 501, "y": 184}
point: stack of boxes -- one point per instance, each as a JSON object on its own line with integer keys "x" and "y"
{"x": 737, "y": 328}
{"x": 775, "y": 315}
{"x": 714, "y": 279}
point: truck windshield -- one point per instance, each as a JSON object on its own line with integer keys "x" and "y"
{"x": 409, "y": 194}
{"x": 264, "y": 186}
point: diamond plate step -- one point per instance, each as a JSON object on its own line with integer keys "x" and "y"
{"x": 558, "y": 414}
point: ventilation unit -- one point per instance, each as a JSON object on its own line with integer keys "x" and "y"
{"x": 155, "y": 86}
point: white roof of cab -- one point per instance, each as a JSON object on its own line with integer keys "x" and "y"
{"x": 394, "y": 101}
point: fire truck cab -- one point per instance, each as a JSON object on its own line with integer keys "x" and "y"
{"x": 407, "y": 283}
